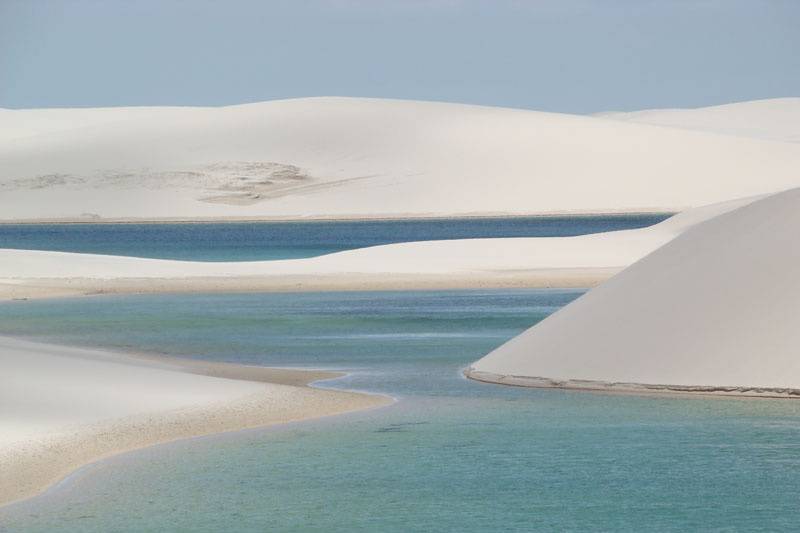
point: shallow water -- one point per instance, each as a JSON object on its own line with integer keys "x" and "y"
{"x": 287, "y": 240}
{"x": 451, "y": 455}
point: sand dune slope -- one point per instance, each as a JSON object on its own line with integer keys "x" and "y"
{"x": 776, "y": 119}
{"x": 713, "y": 310}
{"x": 62, "y": 407}
{"x": 357, "y": 157}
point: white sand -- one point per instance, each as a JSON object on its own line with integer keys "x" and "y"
{"x": 509, "y": 262}
{"x": 714, "y": 310}
{"x": 775, "y": 119}
{"x": 356, "y": 157}
{"x": 62, "y": 407}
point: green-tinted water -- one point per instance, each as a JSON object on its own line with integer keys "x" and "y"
{"x": 451, "y": 455}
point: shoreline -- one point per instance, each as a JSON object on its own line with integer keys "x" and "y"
{"x": 512, "y": 262}
{"x": 534, "y": 382}
{"x": 32, "y": 466}
{"x": 340, "y": 218}
{"x": 39, "y": 288}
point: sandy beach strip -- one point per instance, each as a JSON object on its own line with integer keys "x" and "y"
{"x": 554, "y": 278}
{"x": 312, "y": 218}
{"x": 632, "y": 388}
{"x": 63, "y": 407}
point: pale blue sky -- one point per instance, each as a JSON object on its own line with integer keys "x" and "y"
{"x": 557, "y": 55}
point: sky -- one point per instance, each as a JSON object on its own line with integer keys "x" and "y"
{"x": 575, "y": 56}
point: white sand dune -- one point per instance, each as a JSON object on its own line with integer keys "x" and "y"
{"x": 710, "y": 309}
{"x": 62, "y": 407}
{"x": 775, "y": 119}
{"x": 21, "y": 124}
{"x": 357, "y": 157}
{"x": 552, "y": 261}
{"x": 714, "y": 310}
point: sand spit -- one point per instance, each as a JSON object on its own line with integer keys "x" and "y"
{"x": 55, "y": 288}
{"x": 581, "y": 261}
{"x": 713, "y": 311}
{"x": 61, "y": 408}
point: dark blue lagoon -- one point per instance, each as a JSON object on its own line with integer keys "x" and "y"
{"x": 252, "y": 241}
{"x": 450, "y": 455}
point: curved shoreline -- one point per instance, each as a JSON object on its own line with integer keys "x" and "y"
{"x": 23, "y": 289}
{"x": 34, "y": 465}
{"x": 478, "y": 263}
{"x": 631, "y": 388}
{"x": 342, "y": 218}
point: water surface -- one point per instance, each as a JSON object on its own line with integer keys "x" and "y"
{"x": 451, "y": 455}
{"x": 250, "y": 241}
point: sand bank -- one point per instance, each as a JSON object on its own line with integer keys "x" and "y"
{"x": 713, "y": 311}
{"x": 580, "y": 261}
{"x": 54, "y": 288}
{"x": 361, "y": 157}
{"x": 62, "y": 407}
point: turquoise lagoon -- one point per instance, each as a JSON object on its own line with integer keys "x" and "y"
{"x": 250, "y": 241}
{"x": 450, "y": 455}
